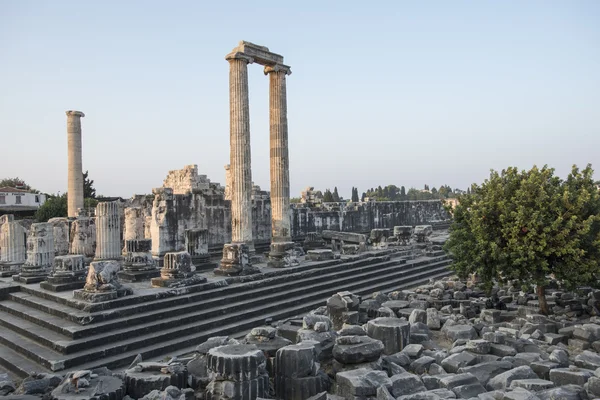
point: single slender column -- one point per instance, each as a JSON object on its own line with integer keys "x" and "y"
{"x": 280, "y": 164}
{"x": 108, "y": 232}
{"x": 281, "y": 241}
{"x": 75, "y": 179}
{"x": 240, "y": 162}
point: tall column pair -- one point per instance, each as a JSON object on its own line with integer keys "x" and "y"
{"x": 240, "y": 165}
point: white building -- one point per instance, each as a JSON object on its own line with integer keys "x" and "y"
{"x": 15, "y": 200}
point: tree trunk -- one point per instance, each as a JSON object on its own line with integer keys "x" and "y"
{"x": 541, "y": 293}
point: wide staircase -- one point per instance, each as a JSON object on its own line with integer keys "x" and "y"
{"x": 45, "y": 331}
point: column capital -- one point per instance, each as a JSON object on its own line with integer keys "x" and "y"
{"x": 236, "y": 55}
{"x": 73, "y": 113}
{"x": 278, "y": 68}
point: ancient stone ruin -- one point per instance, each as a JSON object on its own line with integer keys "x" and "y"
{"x": 215, "y": 278}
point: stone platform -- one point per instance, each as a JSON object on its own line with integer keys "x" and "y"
{"x": 44, "y": 330}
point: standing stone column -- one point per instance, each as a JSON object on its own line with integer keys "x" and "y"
{"x": 281, "y": 240}
{"x": 75, "y": 179}
{"x": 12, "y": 246}
{"x": 240, "y": 160}
{"x": 108, "y": 232}
{"x": 40, "y": 254}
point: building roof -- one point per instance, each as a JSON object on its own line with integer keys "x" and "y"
{"x": 7, "y": 189}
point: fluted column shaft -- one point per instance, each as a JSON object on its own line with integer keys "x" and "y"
{"x": 12, "y": 243}
{"x": 240, "y": 160}
{"x": 108, "y": 231}
{"x": 280, "y": 164}
{"x": 40, "y": 249}
{"x": 75, "y": 177}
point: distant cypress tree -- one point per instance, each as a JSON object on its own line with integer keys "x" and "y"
{"x": 355, "y": 195}
{"x": 327, "y": 196}
{"x": 336, "y": 196}
{"x": 364, "y": 195}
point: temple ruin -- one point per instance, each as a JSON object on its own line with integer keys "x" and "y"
{"x": 161, "y": 273}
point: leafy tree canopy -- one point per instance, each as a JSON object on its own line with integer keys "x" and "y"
{"x": 54, "y": 207}
{"x": 16, "y": 183}
{"x": 527, "y": 226}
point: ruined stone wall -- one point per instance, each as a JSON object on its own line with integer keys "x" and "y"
{"x": 362, "y": 217}
{"x": 186, "y": 180}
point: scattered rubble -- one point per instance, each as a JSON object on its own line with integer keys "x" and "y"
{"x": 442, "y": 340}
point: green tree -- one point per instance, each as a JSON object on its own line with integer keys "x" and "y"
{"x": 362, "y": 198}
{"x": 402, "y": 193}
{"x": 355, "y": 195}
{"x": 336, "y": 196}
{"x": 16, "y": 183}
{"x": 327, "y": 196}
{"x": 527, "y": 226}
{"x": 54, "y": 207}
{"x": 88, "y": 187}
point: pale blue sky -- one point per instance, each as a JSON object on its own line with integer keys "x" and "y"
{"x": 393, "y": 92}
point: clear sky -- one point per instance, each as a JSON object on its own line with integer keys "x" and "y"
{"x": 382, "y": 92}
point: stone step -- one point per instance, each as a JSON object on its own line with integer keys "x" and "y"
{"x": 156, "y": 307}
{"x": 176, "y": 347}
{"x": 44, "y": 336}
{"x": 17, "y": 364}
{"x": 127, "y": 327}
{"x": 161, "y": 298}
{"x": 177, "y": 316}
{"x": 242, "y": 319}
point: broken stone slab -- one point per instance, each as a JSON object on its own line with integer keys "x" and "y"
{"x": 433, "y": 319}
{"x": 478, "y": 346}
{"x": 417, "y": 316}
{"x": 566, "y": 392}
{"x": 361, "y": 383}
{"x": 451, "y": 381}
{"x": 593, "y": 386}
{"x": 421, "y": 365}
{"x": 319, "y": 255}
{"x": 384, "y": 394}
{"x": 469, "y": 391}
{"x": 533, "y": 385}
{"x": 456, "y": 332}
{"x": 95, "y": 387}
{"x": 570, "y": 376}
{"x": 519, "y": 394}
{"x": 413, "y": 350}
{"x": 487, "y": 370}
{"x": 456, "y": 361}
{"x": 143, "y": 378}
{"x": 394, "y": 333}
{"x": 588, "y": 359}
{"x": 406, "y": 383}
{"x": 502, "y": 381}
{"x": 502, "y": 350}
{"x": 324, "y": 341}
{"x": 340, "y": 303}
{"x": 542, "y": 368}
{"x": 357, "y": 349}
